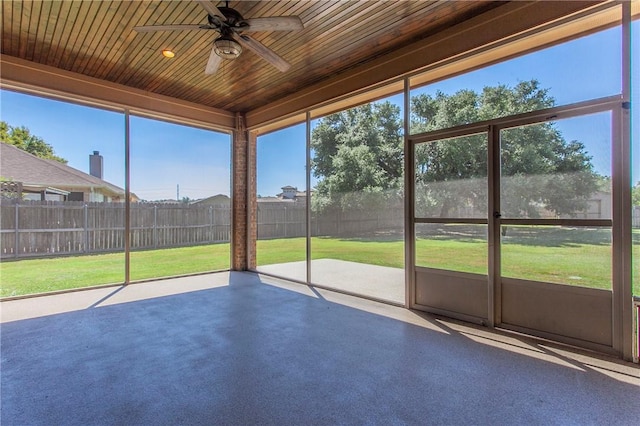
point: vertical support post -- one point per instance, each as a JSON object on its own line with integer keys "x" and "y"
{"x": 285, "y": 221}
{"x": 617, "y": 231}
{"x": 622, "y": 205}
{"x": 409, "y": 201}
{"x": 240, "y": 235}
{"x": 308, "y": 197}
{"x": 494, "y": 294}
{"x": 636, "y": 344}
{"x": 86, "y": 228}
{"x": 155, "y": 226}
{"x": 17, "y": 234}
{"x": 211, "y": 227}
{"x": 127, "y": 199}
{"x": 252, "y": 203}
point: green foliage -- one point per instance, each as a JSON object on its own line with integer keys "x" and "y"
{"x": 358, "y": 157}
{"x": 540, "y": 169}
{"x": 22, "y": 138}
{"x": 466, "y": 106}
{"x": 635, "y": 194}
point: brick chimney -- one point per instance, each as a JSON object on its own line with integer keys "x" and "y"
{"x": 96, "y": 164}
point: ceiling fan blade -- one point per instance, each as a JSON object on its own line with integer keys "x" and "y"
{"x": 177, "y": 27}
{"x": 213, "y": 63}
{"x": 276, "y": 23}
{"x": 263, "y": 51}
{"x": 211, "y": 9}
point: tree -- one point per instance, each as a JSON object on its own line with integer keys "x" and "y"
{"x": 22, "y": 138}
{"x": 358, "y": 157}
{"x": 540, "y": 170}
{"x": 635, "y": 194}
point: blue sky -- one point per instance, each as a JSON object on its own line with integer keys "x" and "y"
{"x": 197, "y": 160}
{"x": 160, "y": 158}
{"x": 165, "y": 155}
{"x": 580, "y": 70}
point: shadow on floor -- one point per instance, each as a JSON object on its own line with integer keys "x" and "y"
{"x": 251, "y": 352}
{"x": 372, "y": 281}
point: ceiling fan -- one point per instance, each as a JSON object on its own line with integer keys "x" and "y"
{"x": 231, "y": 27}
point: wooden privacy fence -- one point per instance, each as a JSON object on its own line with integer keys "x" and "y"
{"x": 56, "y": 228}
{"x": 41, "y": 228}
{"x": 281, "y": 220}
{"x": 287, "y": 220}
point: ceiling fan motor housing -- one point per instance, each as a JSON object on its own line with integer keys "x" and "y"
{"x": 225, "y": 46}
{"x": 232, "y": 16}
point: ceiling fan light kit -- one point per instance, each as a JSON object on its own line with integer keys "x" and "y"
{"x": 231, "y": 27}
{"x": 227, "y": 48}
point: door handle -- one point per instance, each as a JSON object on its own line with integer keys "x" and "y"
{"x": 497, "y": 215}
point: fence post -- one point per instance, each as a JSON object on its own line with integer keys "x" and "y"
{"x": 155, "y": 226}
{"x": 285, "y": 221}
{"x": 86, "y": 228}
{"x": 211, "y": 228}
{"x": 17, "y": 236}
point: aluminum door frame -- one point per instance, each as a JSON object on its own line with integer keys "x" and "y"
{"x": 610, "y": 303}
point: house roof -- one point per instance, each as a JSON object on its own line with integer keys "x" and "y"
{"x": 21, "y": 166}
{"x": 271, "y": 199}
{"x": 214, "y": 199}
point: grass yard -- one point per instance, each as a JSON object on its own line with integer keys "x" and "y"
{"x": 43, "y": 275}
{"x": 383, "y": 253}
{"x": 584, "y": 264}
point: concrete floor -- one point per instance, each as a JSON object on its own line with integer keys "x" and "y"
{"x": 239, "y": 348}
{"x": 372, "y": 281}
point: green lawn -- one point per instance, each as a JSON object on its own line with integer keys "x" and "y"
{"x": 384, "y": 253}
{"x": 42, "y": 275}
{"x": 583, "y": 263}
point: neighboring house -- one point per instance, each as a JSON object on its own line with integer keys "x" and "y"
{"x": 40, "y": 179}
{"x": 598, "y": 206}
{"x": 289, "y": 193}
{"x": 274, "y": 200}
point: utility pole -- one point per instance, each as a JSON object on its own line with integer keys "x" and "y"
{"x": 178, "y": 192}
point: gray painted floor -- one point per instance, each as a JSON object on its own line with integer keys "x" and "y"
{"x": 377, "y": 282}
{"x": 238, "y": 348}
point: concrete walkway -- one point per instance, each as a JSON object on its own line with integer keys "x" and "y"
{"x": 377, "y": 282}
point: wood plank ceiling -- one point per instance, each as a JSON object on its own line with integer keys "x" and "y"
{"x": 95, "y": 38}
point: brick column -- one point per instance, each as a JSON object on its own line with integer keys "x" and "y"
{"x": 252, "y": 203}
{"x": 239, "y": 197}
{"x": 244, "y": 208}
